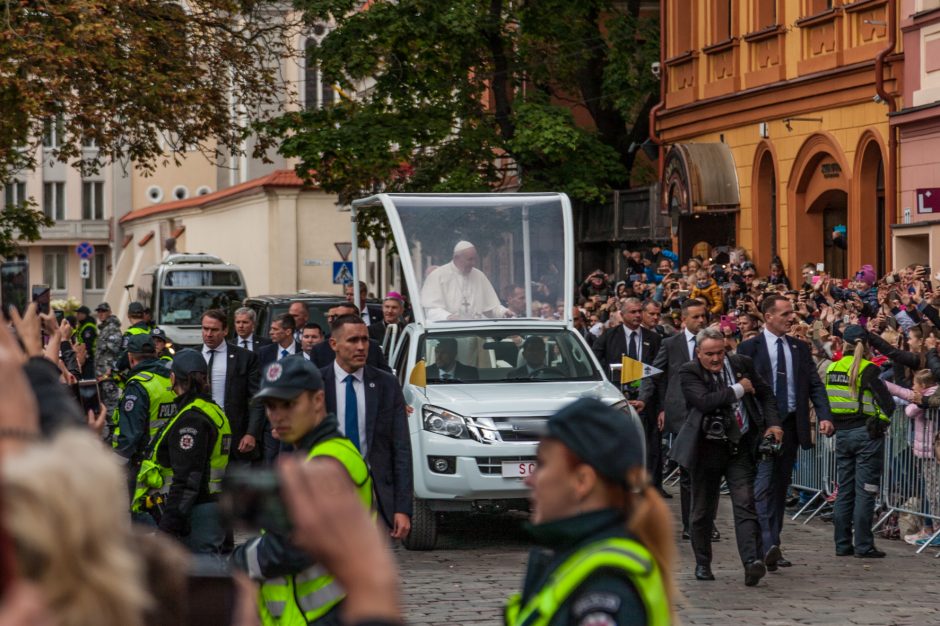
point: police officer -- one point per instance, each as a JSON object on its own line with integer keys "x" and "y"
{"x": 295, "y": 590}
{"x": 180, "y": 481}
{"x": 86, "y": 333}
{"x": 107, "y": 351}
{"x": 162, "y": 345}
{"x": 604, "y": 533}
{"x": 135, "y": 315}
{"x": 146, "y": 405}
{"x": 861, "y": 410}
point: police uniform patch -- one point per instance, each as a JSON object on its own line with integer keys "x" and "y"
{"x": 187, "y": 442}
{"x": 129, "y": 404}
{"x": 598, "y": 619}
{"x": 274, "y": 372}
{"x": 597, "y": 601}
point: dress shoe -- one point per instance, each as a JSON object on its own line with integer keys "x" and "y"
{"x": 782, "y": 562}
{"x": 772, "y": 558}
{"x": 848, "y": 552}
{"x": 874, "y": 553}
{"x": 753, "y": 572}
{"x": 685, "y": 535}
{"x": 665, "y": 494}
{"x": 716, "y": 536}
{"x": 703, "y": 572}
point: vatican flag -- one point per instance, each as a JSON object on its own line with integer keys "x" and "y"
{"x": 632, "y": 370}
{"x": 419, "y": 376}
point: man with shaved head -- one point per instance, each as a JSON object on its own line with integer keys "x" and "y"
{"x": 458, "y": 290}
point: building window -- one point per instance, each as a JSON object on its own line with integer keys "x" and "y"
{"x": 681, "y": 19}
{"x": 14, "y": 193}
{"x": 818, "y": 6}
{"x": 766, "y": 14}
{"x": 92, "y": 200}
{"x": 317, "y": 93}
{"x": 52, "y": 132}
{"x": 53, "y": 268}
{"x": 53, "y": 200}
{"x": 721, "y": 20}
{"x": 96, "y": 275}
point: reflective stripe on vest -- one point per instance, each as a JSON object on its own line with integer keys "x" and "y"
{"x": 838, "y": 388}
{"x": 78, "y": 332}
{"x": 153, "y": 478}
{"x": 625, "y": 555}
{"x": 162, "y": 403}
{"x": 305, "y": 597}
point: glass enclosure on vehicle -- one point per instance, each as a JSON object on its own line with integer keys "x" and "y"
{"x": 185, "y": 294}
{"x": 476, "y": 256}
{"x": 489, "y": 355}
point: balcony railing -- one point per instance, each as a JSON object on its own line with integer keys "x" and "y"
{"x": 83, "y": 230}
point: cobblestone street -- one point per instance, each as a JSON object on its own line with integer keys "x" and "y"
{"x": 480, "y": 561}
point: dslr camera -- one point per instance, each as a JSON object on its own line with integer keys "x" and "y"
{"x": 715, "y": 426}
{"x": 769, "y": 446}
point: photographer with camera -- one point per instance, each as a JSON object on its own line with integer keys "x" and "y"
{"x": 730, "y": 409}
{"x": 861, "y": 406}
{"x": 787, "y": 364}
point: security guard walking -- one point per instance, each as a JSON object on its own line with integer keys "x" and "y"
{"x": 86, "y": 334}
{"x": 146, "y": 405}
{"x": 605, "y": 534}
{"x": 294, "y": 590}
{"x": 861, "y": 410}
{"x": 135, "y": 315}
{"x": 180, "y": 480}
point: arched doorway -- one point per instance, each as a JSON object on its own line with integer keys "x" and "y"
{"x": 871, "y": 219}
{"x": 764, "y": 206}
{"x": 818, "y": 195}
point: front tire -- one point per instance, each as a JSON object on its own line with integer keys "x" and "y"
{"x": 423, "y": 535}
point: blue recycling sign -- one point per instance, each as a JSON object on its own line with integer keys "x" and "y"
{"x": 342, "y": 272}
{"x": 85, "y": 250}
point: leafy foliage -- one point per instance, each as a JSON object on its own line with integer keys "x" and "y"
{"x": 472, "y": 95}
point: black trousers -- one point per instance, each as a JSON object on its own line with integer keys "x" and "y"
{"x": 716, "y": 461}
{"x": 654, "y": 449}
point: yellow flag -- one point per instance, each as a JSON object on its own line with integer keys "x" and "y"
{"x": 631, "y": 370}
{"x": 419, "y": 377}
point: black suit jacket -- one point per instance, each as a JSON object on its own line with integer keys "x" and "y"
{"x": 461, "y": 372}
{"x": 661, "y": 392}
{"x": 611, "y": 347}
{"x": 268, "y": 354}
{"x": 377, "y": 330}
{"x": 388, "y": 441}
{"x": 242, "y": 379}
{"x": 809, "y": 387}
{"x": 702, "y": 397}
{"x": 256, "y": 343}
{"x": 323, "y": 355}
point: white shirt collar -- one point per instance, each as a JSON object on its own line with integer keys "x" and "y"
{"x": 771, "y": 338}
{"x": 688, "y": 335}
{"x": 341, "y": 374}
{"x": 222, "y": 349}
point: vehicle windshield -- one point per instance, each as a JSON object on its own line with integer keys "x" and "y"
{"x": 184, "y": 307}
{"x": 511, "y": 355}
{"x": 486, "y": 256}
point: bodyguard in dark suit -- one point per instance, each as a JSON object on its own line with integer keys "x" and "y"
{"x": 393, "y": 307}
{"x": 787, "y": 365}
{"x": 661, "y": 395}
{"x": 245, "y": 337}
{"x": 446, "y": 366}
{"x": 730, "y": 409}
{"x": 371, "y": 411}
{"x": 323, "y": 354}
{"x": 630, "y": 339}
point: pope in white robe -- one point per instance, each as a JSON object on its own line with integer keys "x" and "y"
{"x": 458, "y": 290}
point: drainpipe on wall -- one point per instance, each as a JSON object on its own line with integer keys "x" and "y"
{"x": 891, "y": 174}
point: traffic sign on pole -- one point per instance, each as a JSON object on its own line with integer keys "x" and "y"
{"x": 85, "y": 250}
{"x": 84, "y": 268}
{"x": 342, "y": 272}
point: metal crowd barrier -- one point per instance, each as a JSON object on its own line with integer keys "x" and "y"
{"x": 911, "y": 483}
{"x": 815, "y": 474}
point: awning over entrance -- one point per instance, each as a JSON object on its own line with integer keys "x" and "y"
{"x": 699, "y": 177}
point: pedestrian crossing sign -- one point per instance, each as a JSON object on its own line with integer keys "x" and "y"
{"x": 342, "y": 272}
{"x": 631, "y": 370}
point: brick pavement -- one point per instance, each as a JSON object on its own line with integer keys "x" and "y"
{"x": 481, "y": 560}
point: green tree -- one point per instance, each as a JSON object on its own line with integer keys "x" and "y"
{"x": 469, "y": 95}
{"x": 138, "y": 79}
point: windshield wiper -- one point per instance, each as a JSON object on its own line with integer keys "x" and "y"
{"x": 446, "y": 382}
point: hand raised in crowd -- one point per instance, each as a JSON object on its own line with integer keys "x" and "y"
{"x": 97, "y": 421}
{"x": 19, "y": 412}
{"x": 28, "y": 329}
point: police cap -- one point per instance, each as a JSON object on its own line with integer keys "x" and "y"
{"x": 605, "y": 438}
{"x": 188, "y": 361}
{"x": 83, "y": 309}
{"x": 288, "y": 378}
{"x": 140, "y": 344}
{"x": 104, "y": 306}
{"x": 135, "y": 308}
{"x": 854, "y": 333}
{"x": 158, "y": 333}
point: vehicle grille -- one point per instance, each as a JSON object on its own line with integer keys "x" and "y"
{"x": 494, "y": 464}
{"x": 519, "y": 429}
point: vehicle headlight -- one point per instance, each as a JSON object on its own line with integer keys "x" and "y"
{"x": 444, "y": 422}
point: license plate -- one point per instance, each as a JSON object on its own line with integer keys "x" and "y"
{"x": 518, "y": 469}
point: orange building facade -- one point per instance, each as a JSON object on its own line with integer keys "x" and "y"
{"x": 792, "y": 99}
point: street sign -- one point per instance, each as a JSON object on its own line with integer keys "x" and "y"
{"x": 84, "y": 268}
{"x": 85, "y": 250}
{"x": 344, "y": 248}
{"x": 928, "y": 200}
{"x": 342, "y": 272}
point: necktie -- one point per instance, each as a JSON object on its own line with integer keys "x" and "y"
{"x": 245, "y": 344}
{"x": 211, "y": 361}
{"x": 780, "y": 381}
{"x": 631, "y": 346}
{"x": 284, "y": 353}
{"x": 352, "y": 412}
{"x": 737, "y": 419}
{"x": 694, "y": 344}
